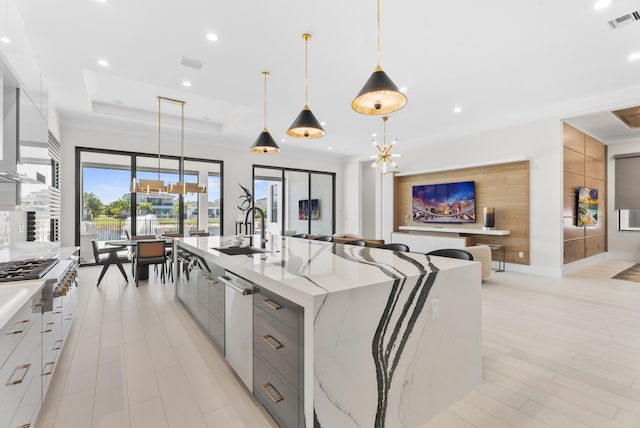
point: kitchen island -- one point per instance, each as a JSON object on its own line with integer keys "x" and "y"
{"x": 343, "y": 336}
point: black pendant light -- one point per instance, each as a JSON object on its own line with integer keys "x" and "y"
{"x": 379, "y": 95}
{"x": 265, "y": 143}
{"x": 306, "y": 125}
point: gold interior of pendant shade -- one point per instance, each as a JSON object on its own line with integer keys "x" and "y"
{"x": 306, "y": 125}
{"x": 379, "y": 95}
{"x": 265, "y": 143}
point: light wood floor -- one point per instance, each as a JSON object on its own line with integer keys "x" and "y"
{"x": 557, "y": 353}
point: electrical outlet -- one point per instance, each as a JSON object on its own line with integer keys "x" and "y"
{"x": 435, "y": 309}
{"x": 521, "y": 254}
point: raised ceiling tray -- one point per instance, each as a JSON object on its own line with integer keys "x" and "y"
{"x": 629, "y": 116}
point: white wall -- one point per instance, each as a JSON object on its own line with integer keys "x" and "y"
{"x": 621, "y": 244}
{"x": 237, "y": 169}
{"x": 541, "y": 143}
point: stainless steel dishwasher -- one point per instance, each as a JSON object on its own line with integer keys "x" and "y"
{"x": 238, "y": 321}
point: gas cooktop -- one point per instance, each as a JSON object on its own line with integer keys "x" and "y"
{"x": 28, "y": 269}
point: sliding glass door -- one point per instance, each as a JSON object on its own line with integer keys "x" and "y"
{"x": 107, "y": 210}
{"x": 295, "y": 201}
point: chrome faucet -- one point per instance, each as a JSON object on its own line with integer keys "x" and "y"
{"x": 263, "y": 239}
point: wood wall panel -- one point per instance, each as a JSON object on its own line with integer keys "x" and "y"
{"x": 582, "y": 242}
{"x": 573, "y": 139}
{"x": 595, "y": 168}
{"x": 573, "y": 250}
{"x": 573, "y": 161}
{"x": 504, "y": 187}
{"x": 595, "y": 245}
{"x": 595, "y": 149}
{"x": 571, "y": 182}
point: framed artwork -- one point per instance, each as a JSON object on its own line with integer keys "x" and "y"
{"x": 587, "y": 207}
{"x": 303, "y": 209}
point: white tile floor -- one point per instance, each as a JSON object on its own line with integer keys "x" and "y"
{"x": 557, "y": 353}
{"x": 134, "y": 358}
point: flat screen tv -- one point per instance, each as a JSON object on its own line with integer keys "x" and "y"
{"x": 587, "y": 207}
{"x": 445, "y": 203}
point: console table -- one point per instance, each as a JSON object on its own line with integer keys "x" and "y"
{"x": 458, "y": 230}
{"x": 424, "y": 239}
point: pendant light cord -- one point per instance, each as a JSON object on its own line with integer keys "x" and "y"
{"x": 306, "y": 38}
{"x": 384, "y": 132}
{"x": 265, "y": 74}
{"x": 159, "y": 106}
{"x": 378, "y": 33}
{"x": 184, "y": 182}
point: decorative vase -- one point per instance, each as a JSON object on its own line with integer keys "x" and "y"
{"x": 489, "y": 218}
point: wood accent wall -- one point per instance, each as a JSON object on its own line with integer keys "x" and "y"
{"x": 585, "y": 164}
{"x": 504, "y": 187}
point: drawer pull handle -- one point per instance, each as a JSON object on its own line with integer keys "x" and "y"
{"x": 275, "y": 398}
{"x": 242, "y": 291}
{"x": 24, "y": 367}
{"x": 46, "y": 331}
{"x": 271, "y": 341}
{"x": 57, "y": 345}
{"x": 56, "y": 313}
{"x": 18, "y": 327}
{"x": 44, "y": 368}
{"x": 272, "y": 305}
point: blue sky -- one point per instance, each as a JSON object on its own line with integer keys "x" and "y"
{"x": 111, "y": 184}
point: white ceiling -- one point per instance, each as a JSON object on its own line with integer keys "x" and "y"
{"x": 503, "y": 61}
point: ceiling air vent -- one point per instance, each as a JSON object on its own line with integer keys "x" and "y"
{"x": 191, "y": 63}
{"x": 624, "y": 20}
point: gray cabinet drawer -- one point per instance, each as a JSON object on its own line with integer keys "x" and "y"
{"x": 278, "y": 307}
{"x": 277, "y": 396}
{"x": 279, "y": 345}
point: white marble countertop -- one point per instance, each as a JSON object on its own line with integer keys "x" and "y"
{"x": 13, "y": 295}
{"x": 300, "y": 269}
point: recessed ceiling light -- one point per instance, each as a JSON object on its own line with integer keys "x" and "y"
{"x": 457, "y": 109}
{"x": 101, "y": 1}
{"x": 330, "y": 148}
{"x": 186, "y": 83}
{"x": 374, "y": 135}
{"x": 5, "y": 39}
{"x": 103, "y": 63}
{"x": 323, "y": 123}
{"x": 602, "y": 4}
{"x": 212, "y": 37}
{"x": 634, "y": 56}
{"x": 282, "y": 140}
{"x": 403, "y": 89}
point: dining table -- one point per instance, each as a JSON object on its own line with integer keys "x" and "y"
{"x": 131, "y": 244}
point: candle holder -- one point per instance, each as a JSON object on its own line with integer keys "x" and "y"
{"x": 489, "y": 218}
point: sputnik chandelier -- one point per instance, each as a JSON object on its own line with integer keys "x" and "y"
{"x": 384, "y": 154}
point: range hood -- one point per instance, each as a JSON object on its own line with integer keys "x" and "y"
{"x": 24, "y": 132}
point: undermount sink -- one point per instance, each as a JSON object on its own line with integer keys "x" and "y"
{"x": 234, "y": 251}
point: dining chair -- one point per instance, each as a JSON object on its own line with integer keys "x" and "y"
{"x": 169, "y": 252}
{"x": 324, "y": 238}
{"x": 106, "y": 257}
{"x": 395, "y": 246}
{"x": 150, "y": 253}
{"x": 131, "y": 255}
{"x": 357, "y": 242}
{"x": 454, "y": 253}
